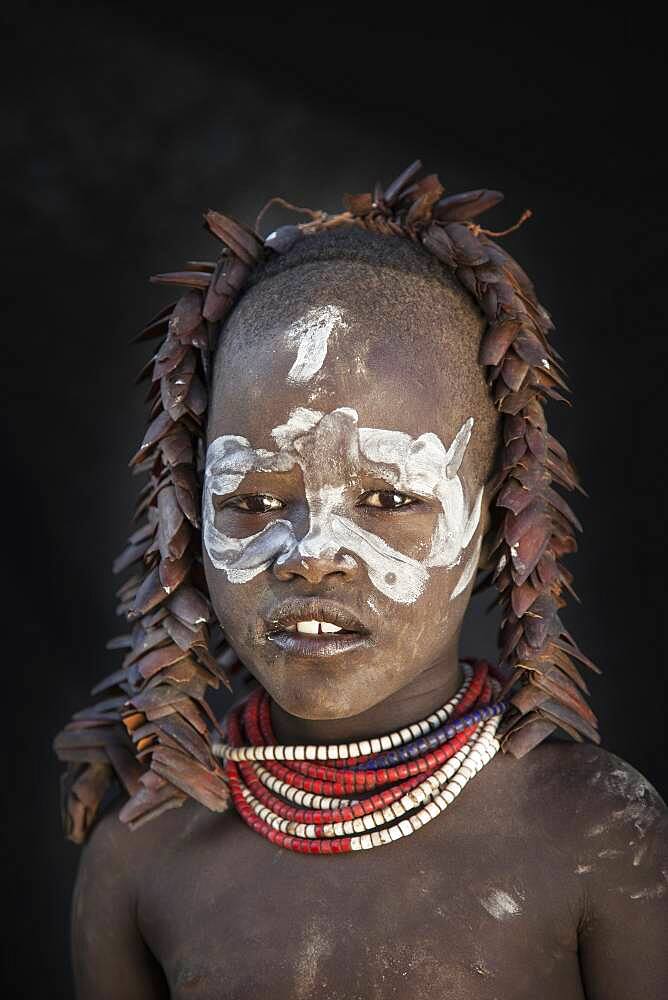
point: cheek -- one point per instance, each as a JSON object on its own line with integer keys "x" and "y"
{"x": 235, "y": 605}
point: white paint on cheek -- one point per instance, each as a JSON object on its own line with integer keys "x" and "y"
{"x": 393, "y": 573}
{"x": 312, "y": 332}
{"x": 468, "y": 571}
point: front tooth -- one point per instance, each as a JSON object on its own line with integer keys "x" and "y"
{"x": 314, "y": 627}
{"x": 311, "y": 628}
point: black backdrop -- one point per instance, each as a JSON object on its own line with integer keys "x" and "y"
{"x": 123, "y": 127}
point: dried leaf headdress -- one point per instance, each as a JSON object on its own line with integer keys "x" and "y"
{"x": 152, "y": 729}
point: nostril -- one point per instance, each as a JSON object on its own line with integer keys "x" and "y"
{"x": 314, "y": 567}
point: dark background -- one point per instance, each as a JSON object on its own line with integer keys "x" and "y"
{"x": 122, "y": 127}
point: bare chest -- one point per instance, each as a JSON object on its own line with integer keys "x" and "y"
{"x": 464, "y": 915}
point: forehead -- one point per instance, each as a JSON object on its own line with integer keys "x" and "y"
{"x": 397, "y": 348}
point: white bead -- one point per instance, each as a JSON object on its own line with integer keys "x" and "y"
{"x": 368, "y": 821}
{"x": 395, "y": 833}
{"x": 332, "y": 752}
{"x": 343, "y": 750}
{"x": 358, "y": 825}
{"x": 375, "y": 746}
{"x": 269, "y": 752}
{"x": 365, "y": 841}
{"x": 406, "y": 735}
{"x": 289, "y": 753}
{"x": 300, "y": 753}
{"x": 432, "y": 809}
{"x": 385, "y": 743}
{"x": 355, "y": 844}
{"x": 405, "y": 827}
{"x": 321, "y": 753}
{"x": 395, "y": 739}
{"x": 310, "y": 753}
{"x": 353, "y": 750}
{"x": 415, "y": 821}
{"x": 365, "y": 747}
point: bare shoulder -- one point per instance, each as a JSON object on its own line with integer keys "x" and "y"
{"x": 614, "y": 820}
{"x": 113, "y": 850}
{"x": 602, "y": 787}
{"x": 590, "y": 776}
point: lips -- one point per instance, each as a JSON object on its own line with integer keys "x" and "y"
{"x": 309, "y": 609}
{"x": 315, "y": 627}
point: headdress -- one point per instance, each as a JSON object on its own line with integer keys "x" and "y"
{"x": 152, "y": 728}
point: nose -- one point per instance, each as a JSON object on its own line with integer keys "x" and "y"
{"x": 314, "y": 568}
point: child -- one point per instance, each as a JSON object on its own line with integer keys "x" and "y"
{"x": 328, "y": 391}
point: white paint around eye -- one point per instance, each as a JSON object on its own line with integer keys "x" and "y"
{"x": 312, "y": 332}
{"x": 415, "y": 465}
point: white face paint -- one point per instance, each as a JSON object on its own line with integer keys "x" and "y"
{"x": 311, "y": 333}
{"x": 317, "y": 443}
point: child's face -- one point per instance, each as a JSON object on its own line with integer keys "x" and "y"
{"x": 343, "y": 478}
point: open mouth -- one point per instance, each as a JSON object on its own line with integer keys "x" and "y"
{"x": 317, "y": 628}
{"x": 307, "y": 626}
{"x": 316, "y": 638}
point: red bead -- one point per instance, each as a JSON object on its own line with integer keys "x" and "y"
{"x": 251, "y": 722}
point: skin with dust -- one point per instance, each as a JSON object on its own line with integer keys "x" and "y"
{"x": 422, "y": 466}
{"x": 501, "y": 905}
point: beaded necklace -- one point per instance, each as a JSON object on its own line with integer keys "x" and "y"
{"x": 408, "y": 777}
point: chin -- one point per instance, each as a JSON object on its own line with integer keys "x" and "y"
{"x": 320, "y": 704}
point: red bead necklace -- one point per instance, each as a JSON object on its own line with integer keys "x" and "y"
{"x": 293, "y": 799}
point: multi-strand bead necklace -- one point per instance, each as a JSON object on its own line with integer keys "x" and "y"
{"x": 406, "y": 778}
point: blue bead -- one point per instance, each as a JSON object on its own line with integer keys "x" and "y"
{"x": 433, "y": 740}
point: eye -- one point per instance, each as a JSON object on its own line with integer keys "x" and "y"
{"x": 254, "y": 503}
{"x": 387, "y": 500}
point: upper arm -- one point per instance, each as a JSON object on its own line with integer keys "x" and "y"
{"x": 624, "y": 866}
{"x": 109, "y": 957}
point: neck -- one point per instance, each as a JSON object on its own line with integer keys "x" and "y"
{"x": 416, "y": 700}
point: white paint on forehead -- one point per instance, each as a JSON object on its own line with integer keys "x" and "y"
{"x": 309, "y": 439}
{"x": 311, "y": 333}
